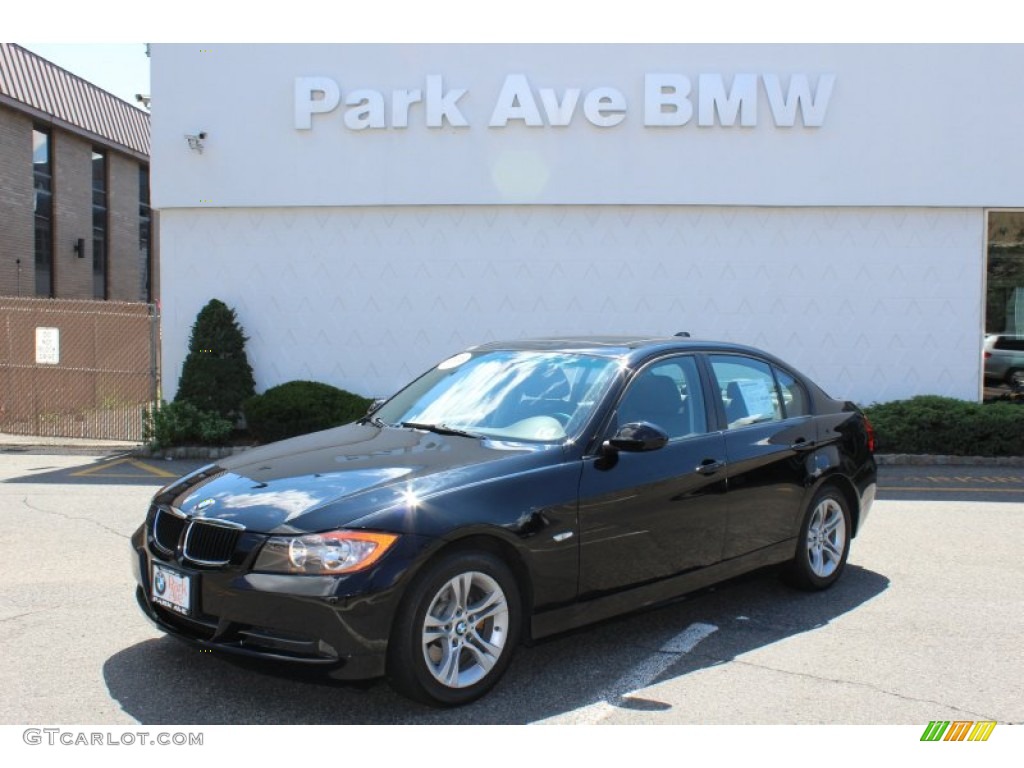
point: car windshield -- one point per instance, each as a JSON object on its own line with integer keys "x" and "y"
{"x": 507, "y": 395}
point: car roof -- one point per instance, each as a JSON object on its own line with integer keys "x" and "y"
{"x": 616, "y": 346}
{"x": 637, "y": 350}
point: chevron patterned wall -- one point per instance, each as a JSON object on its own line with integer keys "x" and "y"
{"x": 873, "y": 303}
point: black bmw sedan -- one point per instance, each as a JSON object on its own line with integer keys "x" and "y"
{"x": 513, "y": 491}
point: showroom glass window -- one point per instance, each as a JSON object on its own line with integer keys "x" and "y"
{"x": 1003, "y": 342}
{"x": 1004, "y": 310}
{"x": 145, "y": 233}
{"x": 42, "y": 179}
{"x": 99, "y": 225}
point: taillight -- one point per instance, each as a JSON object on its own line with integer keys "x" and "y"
{"x": 988, "y": 355}
{"x": 871, "y": 434}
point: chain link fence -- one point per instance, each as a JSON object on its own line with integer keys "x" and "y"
{"x": 74, "y": 368}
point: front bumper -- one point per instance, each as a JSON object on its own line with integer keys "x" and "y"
{"x": 337, "y": 623}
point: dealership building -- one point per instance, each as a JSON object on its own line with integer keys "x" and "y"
{"x": 370, "y": 209}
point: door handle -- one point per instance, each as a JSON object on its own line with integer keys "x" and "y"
{"x": 710, "y": 466}
{"x": 802, "y": 444}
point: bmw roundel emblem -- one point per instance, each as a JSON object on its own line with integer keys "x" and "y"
{"x": 160, "y": 583}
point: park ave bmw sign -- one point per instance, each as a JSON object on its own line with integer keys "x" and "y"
{"x": 665, "y": 101}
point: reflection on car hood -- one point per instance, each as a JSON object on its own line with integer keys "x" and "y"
{"x": 332, "y": 478}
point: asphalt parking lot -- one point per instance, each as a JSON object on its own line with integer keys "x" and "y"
{"x": 925, "y": 625}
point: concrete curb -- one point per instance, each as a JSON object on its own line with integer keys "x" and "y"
{"x": 186, "y": 452}
{"x": 916, "y": 460}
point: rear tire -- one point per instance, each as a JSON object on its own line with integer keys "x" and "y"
{"x": 456, "y": 630}
{"x": 824, "y": 542}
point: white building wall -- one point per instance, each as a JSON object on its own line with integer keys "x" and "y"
{"x": 361, "y": 240}
{"x": 890, "y": 125}
{"x": 873, "y": 303}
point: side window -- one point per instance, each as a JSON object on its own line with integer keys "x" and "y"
{"x": 747, "y": 389}
{"x": 795, "y": 401}
{"x": 668, "y": 395}
{"x": 1015, "y": 343}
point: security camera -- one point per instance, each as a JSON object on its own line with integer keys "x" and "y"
{"x": 195, "y": 141}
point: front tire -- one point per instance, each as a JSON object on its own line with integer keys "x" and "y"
{"x": 824, "y": 542}
{"x": 456, "y": 630}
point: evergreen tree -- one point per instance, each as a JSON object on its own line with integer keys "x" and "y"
{"x": 216, "y": 376}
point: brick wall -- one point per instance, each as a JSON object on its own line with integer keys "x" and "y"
{"x": 72, "y": 212}
{"x": 123, "y": 207}
{"x": 17, "y": 234}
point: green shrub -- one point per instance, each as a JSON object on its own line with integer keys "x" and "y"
{"x": 216, "y": 375}
{"x": 184, "y": 424}
{"x": 929, "y": 424}
{"x": 298, "y": 407}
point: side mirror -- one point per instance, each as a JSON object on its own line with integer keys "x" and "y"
{"x": 637, "y": 437}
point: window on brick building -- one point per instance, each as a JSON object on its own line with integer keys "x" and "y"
{"x": 99, "y": 225}
{"x": 42, "y": 177}
{"x": 145, "y": 233}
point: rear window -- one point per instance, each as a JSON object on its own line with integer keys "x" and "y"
{"x": 794, "y": 397}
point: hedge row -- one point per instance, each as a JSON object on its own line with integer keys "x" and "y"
{"x": 298, "y": 407}
{"x": 929, "y": 424}
{"x": 182, "y": 423}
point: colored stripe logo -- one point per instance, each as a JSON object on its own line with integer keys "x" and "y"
{"x": 958, "y": 730}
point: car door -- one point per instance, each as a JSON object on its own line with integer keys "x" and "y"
{"x": 652, "y": 514}
{"x": 769, "y": 433}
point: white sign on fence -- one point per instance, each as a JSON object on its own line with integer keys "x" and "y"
{"x": 47, "y": 346}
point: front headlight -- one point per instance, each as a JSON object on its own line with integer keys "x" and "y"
{"x": 333, "y": 552}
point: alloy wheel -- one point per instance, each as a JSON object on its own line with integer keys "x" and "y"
{"x": 826, "y": 538}
{"x": 465, "y": 629}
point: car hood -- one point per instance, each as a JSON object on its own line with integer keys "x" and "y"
{"x": 333, "y": 478}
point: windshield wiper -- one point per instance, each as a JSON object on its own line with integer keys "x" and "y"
{"x": 377, "y": 421}
{"x": 441, "y": 429}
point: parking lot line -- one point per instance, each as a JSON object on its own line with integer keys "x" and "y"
{"x": 103, "y": 470}
{"x": 639, "y": 677}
